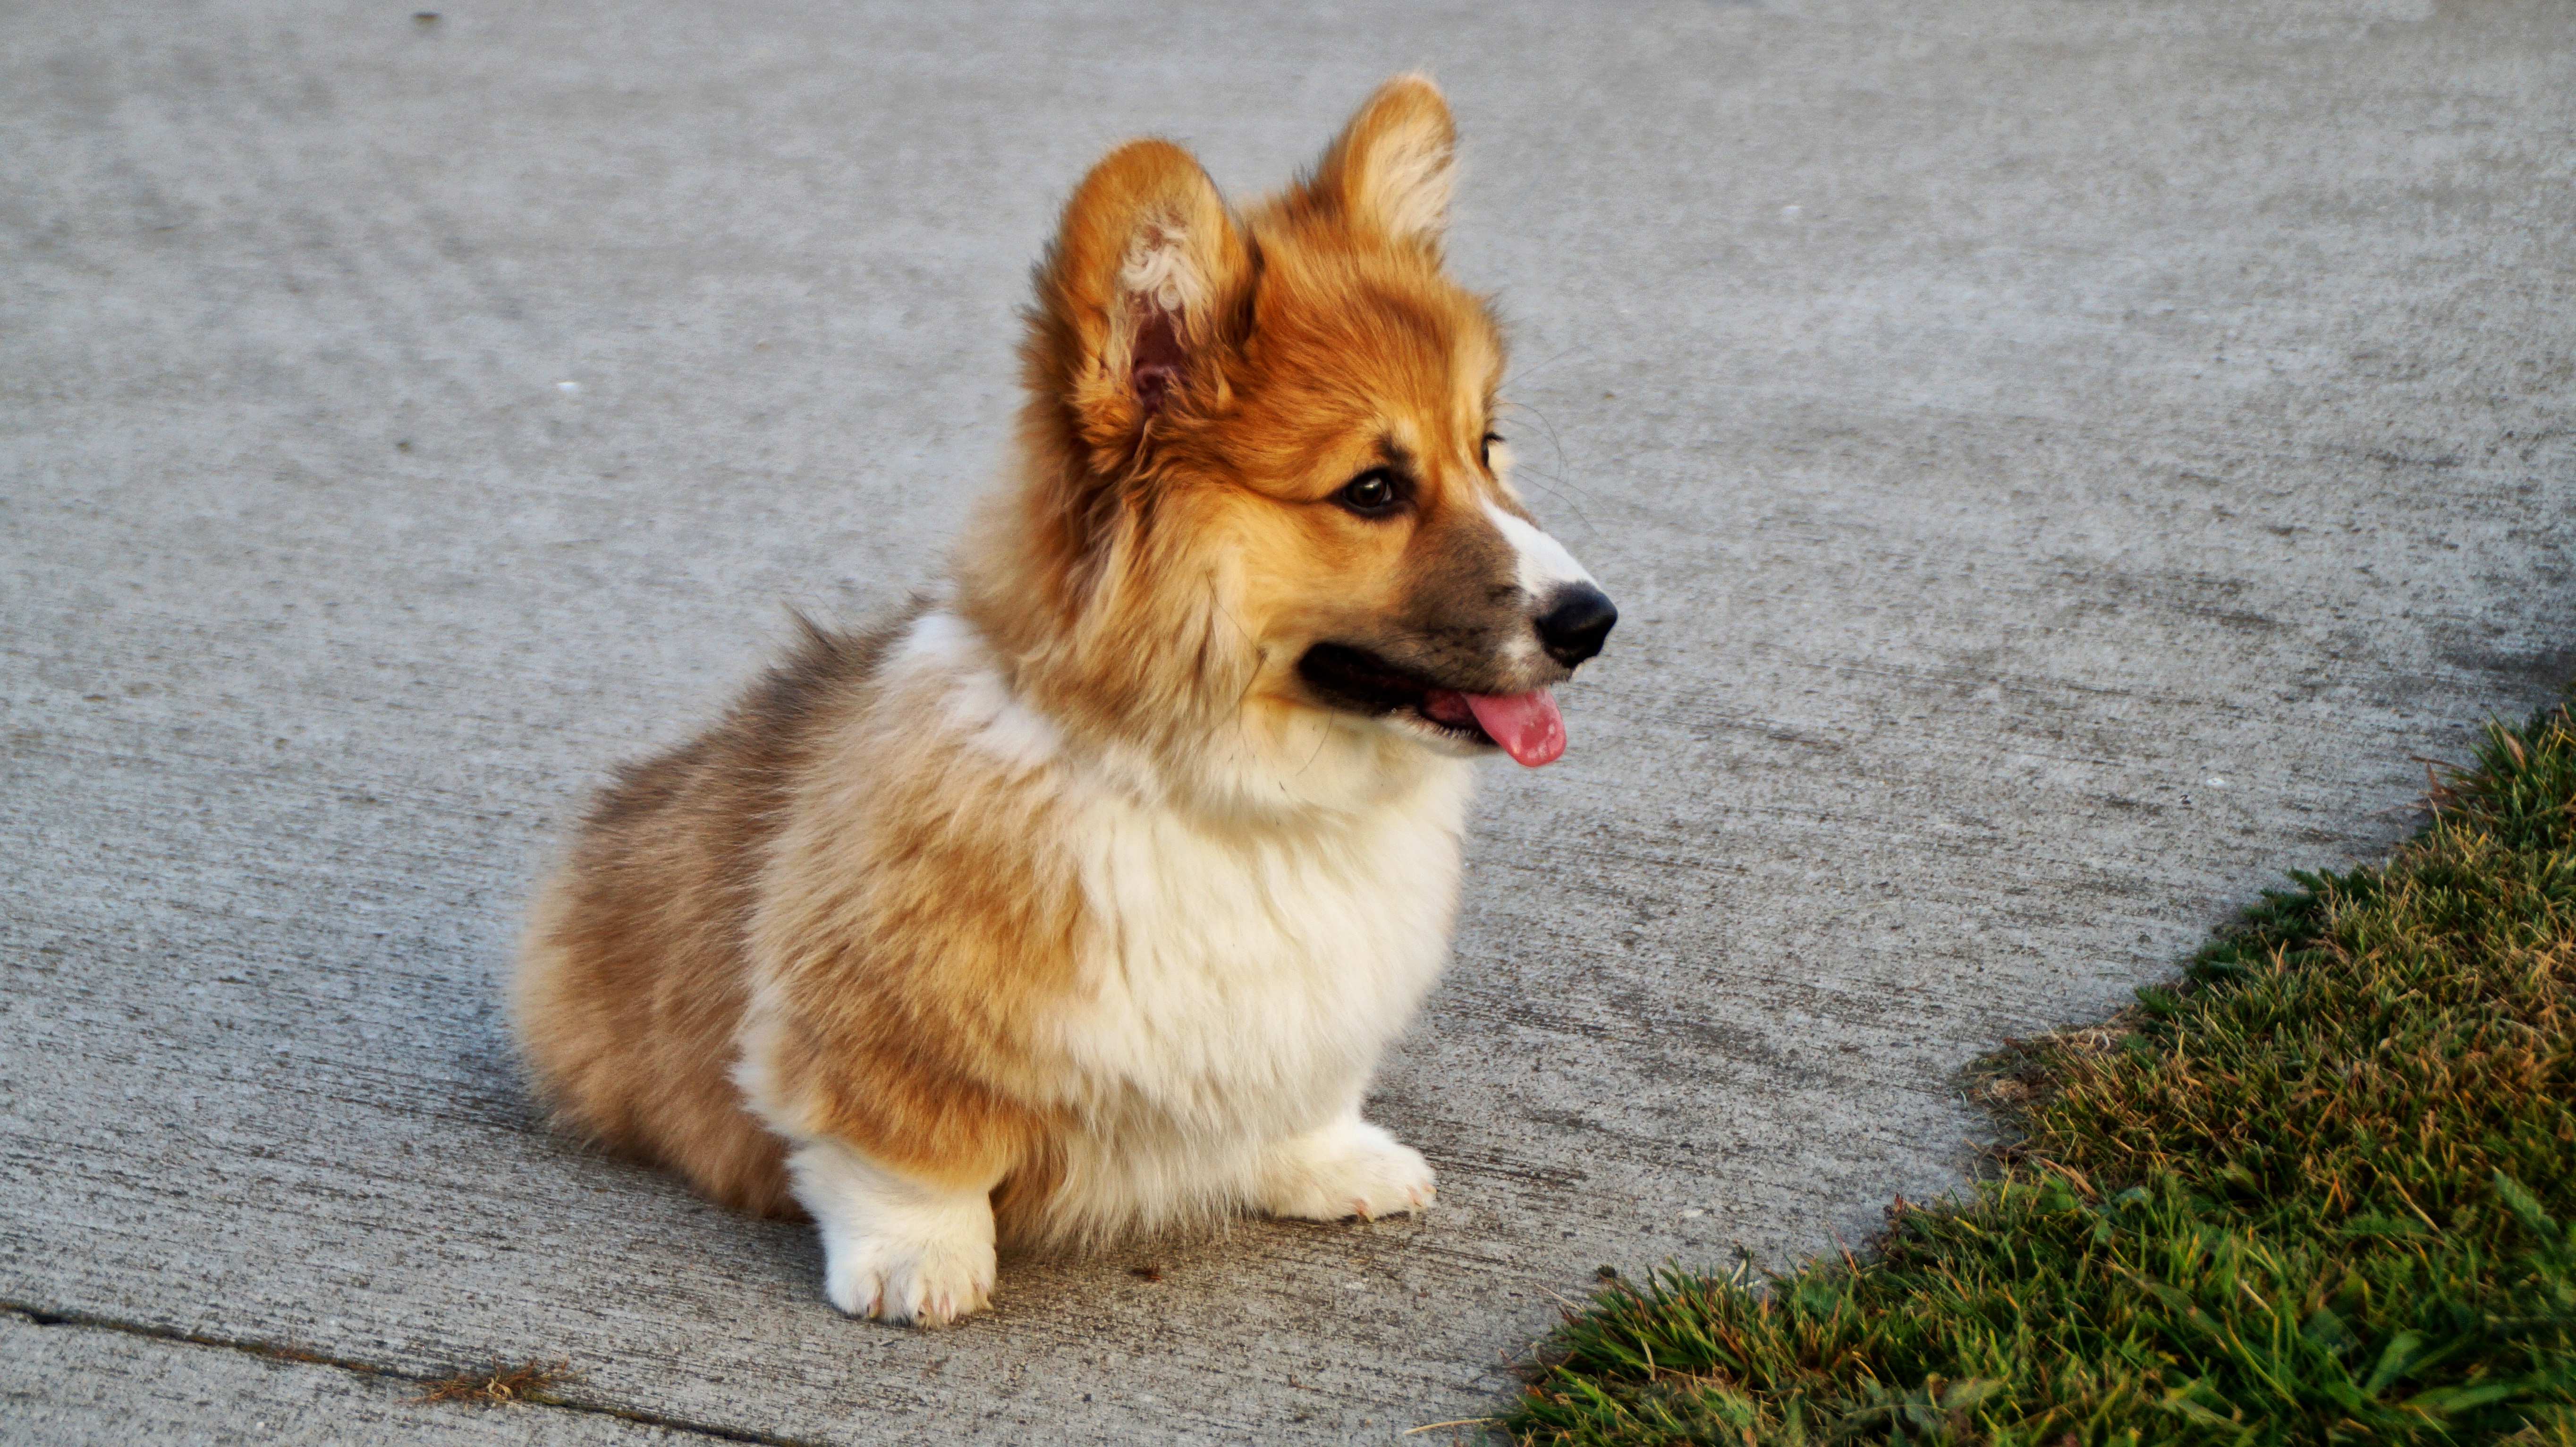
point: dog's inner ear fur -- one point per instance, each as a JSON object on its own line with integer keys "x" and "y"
{"x": 1394, "y": 167}
{"x": 1161, "y": 294}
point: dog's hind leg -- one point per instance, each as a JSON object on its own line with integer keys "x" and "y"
{"x": 1345, "y": 1168}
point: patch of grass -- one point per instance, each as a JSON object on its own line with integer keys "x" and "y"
{"x": 2322, "y": 1190}
{"x": 500, "y": 1385}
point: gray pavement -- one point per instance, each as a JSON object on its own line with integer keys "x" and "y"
{"x": 2058, "y": 464}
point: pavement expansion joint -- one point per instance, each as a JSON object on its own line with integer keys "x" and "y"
{"x": 273, "y": 1351}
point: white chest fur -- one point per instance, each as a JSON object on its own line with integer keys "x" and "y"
{"x": 1243, "y": 981}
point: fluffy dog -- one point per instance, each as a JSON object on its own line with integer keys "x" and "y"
{"x": 1083, "y": 899}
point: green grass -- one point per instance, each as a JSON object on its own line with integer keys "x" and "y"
{"x": 2323, "y": 1190}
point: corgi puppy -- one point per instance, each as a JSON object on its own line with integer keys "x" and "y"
{"x": 1082, "y": 899}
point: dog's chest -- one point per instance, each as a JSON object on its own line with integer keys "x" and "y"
{"x": 1235, "y": 980}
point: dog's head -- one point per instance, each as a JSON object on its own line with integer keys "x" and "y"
{"x": 1267, "y": 483}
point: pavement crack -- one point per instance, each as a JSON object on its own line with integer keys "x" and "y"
{"x": 283, "y": 1352}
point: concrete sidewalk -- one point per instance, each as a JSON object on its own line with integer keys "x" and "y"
{"x": 2058, "y": 463}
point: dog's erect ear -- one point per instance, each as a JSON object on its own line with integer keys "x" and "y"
{"x": 1133, "y": 298}
{"x": 1394, "y": 166}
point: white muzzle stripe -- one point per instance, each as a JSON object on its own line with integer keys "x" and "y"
{"x": 1545, "y": 565}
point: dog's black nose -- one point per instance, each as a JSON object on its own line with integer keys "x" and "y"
{"x": 1579, "y": 616}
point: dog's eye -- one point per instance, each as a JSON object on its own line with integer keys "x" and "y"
{"x": 1371, "y": 493}
{"x": 1485, "y": 450}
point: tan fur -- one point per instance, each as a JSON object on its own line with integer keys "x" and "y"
{"x": 826, "y": 893}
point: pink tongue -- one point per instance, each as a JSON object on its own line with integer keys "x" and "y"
{"x": 1527, "y": 725}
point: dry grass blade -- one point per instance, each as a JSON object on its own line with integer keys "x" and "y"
{"x": 500, "y": 1385}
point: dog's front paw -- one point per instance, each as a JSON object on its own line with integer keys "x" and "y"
{"x": 925, "y": 1283}
{"x": 894, "y": 1247}
{"x": 1348, "y": 1168}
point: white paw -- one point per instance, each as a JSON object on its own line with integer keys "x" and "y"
{"x": 895, "y": 1248}
{"x": 1348, "y": 1168}
{"x": 926, "y": 1283}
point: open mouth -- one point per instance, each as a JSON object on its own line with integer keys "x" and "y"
{"x": 1525, "y": 725}
{"x": 1366, "y": 683}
